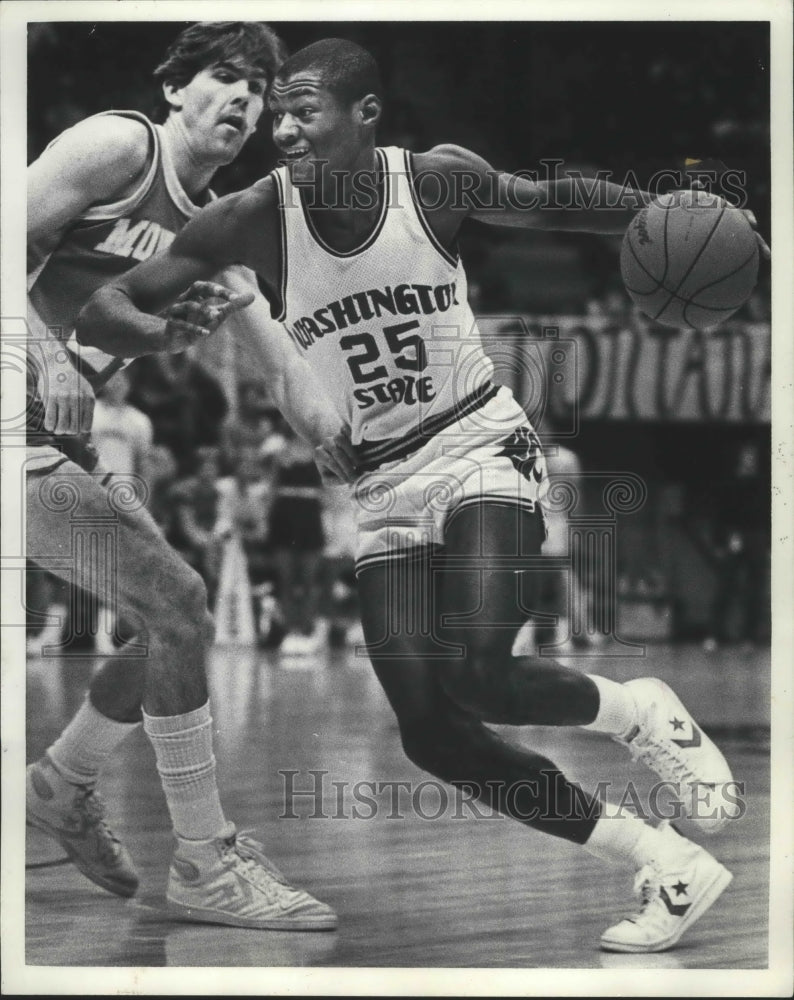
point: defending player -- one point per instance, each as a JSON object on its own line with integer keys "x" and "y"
{"x": 356, "y": 248}
{"x": 109, "y": 192}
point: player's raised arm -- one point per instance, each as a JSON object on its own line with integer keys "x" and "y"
{"x": 498, "y": 198}
{"x": 122, "y": 317}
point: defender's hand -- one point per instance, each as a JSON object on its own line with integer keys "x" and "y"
{"x": 67, "y": 396}
{"x": 336, "y": 458}
{"x": 199, "y": 311}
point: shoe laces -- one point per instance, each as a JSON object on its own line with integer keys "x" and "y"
{"x": 247, "y": 845}
{"x": 248, "y": 862}
{"x": 663, "y": 757}
{"x": 646, "y": 886}
{"x": 89, "y": 804}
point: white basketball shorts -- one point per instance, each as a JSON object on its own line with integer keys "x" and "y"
{"x": 492, "y": 454}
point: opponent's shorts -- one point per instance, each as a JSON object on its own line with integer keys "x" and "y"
{"x": 492, "y": 454}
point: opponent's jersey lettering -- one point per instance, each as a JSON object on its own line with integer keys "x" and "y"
{"x": 139, "y": 240}
{"x": 387, "y": 326}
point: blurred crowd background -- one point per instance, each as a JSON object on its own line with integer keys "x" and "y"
{"x": 226, "y": 477}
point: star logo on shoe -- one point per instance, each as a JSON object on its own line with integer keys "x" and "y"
{"x": 676, "y": 724}
{"x": 674, "y": 909}
{"x": 680, "y": 888}
{"x": 695, "y": 740}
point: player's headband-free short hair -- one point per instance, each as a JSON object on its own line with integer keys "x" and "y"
{"x": 346, "y": 69}
{"x": 208, "y": 43}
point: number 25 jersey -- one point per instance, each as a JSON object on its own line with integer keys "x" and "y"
{"x": 386, "y": 327}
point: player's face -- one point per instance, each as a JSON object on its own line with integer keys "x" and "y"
{"x": 220, "y": 107}
{"x": 315, "y": 132}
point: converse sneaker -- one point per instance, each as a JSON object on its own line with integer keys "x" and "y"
{"x": 227, "y": 880}
{"x": 668, "y": 741}
{"x": 675, "y": 890}
{"x": 74, "y": 816}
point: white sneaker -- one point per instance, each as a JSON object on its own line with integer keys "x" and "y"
{"x": 674, "y": 892}
{"x": 74, "y": 816}
{"x": 228, "y": 880}
{"x": 668, "y": 740}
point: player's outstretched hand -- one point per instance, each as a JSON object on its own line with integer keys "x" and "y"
{"x": 336, "y": 458}
{"x": 199, "y": 311}
{"x": 67, "y": 396}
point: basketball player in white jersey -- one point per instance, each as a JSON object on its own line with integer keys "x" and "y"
{"x": 111, "y": 191}
{"x": 356, "y": 248}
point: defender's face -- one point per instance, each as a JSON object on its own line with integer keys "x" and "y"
{"x": 314, "y": 131}
{"x": 220, "y": 107}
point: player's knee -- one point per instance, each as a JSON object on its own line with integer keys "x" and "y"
{"x": 185, "y": 617}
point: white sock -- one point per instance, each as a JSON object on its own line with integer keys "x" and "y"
{"x": 86, "y": 743}
{"x": 617, "y": 708}
{"x": 186, "y": 765}
{"x": 621, "y": 837}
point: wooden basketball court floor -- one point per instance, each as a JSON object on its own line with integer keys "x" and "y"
{"x": 455, "y": 891}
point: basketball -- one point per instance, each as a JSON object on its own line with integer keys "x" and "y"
{"x": 689, "y": 260}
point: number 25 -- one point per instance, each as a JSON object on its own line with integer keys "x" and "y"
{"x": 399, "y": 340}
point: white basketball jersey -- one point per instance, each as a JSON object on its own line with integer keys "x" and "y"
{"x": 386, "y": 327}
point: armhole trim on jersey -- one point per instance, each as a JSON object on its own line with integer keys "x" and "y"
{"x": 279, "y": 309}
{"x": 114, "y": 210}
{"x": 346, "y": 254}
{"x": 420, "y": 212}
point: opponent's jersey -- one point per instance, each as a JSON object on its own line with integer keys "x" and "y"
{"x": 386, "y": 327}
{"x": 104, "y": 242}
{"x": 108, "y": 240}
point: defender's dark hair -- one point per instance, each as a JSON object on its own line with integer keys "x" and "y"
{"x": 345, "y": 68}
{"x": 211, "y": 42}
